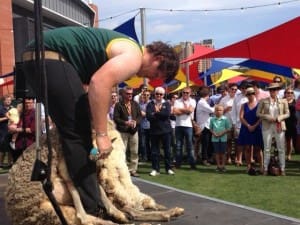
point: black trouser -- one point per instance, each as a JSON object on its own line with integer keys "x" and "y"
{"x": 206, "y": 145}
{"x": 69, "y": 109}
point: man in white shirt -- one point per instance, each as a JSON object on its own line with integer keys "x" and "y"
{"x": 184, "y": 112}
{"x": 138, "y": 96}
{"x": 203, "y": 112}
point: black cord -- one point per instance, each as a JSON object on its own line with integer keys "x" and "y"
{"x": 42, "y": 82}
{"x": 23, "y": 133}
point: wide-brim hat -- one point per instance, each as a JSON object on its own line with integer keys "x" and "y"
{"x": 250, "y": 90}
{"x": 274, "y": 86}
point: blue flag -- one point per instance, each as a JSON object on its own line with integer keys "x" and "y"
{"x": 128, "y": 29}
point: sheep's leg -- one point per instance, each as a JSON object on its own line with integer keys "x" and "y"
{"x": 110, "y": 208}
{"x": 91, "y": 220}
{"x": 153, "y": 216}
{"x": 138, "y": 215}
{"x": 176, "y": 211}
{"x": 84, "y": 218}
{"x": 81, "y": 214}
{"x": 160, "y": 207}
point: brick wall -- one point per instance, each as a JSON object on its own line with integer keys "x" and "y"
{"x": 6, "y": 44}
{"x": 96, "y": 19}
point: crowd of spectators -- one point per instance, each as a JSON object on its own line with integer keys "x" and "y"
{"x": 239, "y": 123}
{"x": 17, "y": 128}
{"x": 242, "y": 124}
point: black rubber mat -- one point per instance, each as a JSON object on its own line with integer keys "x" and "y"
{"x": 198, "y": 209}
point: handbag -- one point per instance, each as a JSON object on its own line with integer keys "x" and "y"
{"x": 274, "y": 168}
{"x": 196, "y": 128}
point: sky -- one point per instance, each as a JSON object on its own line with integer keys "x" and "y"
{"x": 219, "y": 23}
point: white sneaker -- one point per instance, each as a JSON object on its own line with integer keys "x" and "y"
{"x": 171, "y": 172}
{"x": 154, "y": 173}
{"x": 12, "y": 145}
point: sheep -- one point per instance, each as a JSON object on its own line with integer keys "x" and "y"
{"x": 26, "y": 202}
{"x": 115, "y": 178}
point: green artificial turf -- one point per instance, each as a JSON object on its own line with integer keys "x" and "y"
{"x": 276, "y": 194}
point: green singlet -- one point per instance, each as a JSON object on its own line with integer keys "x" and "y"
{"x": 84, "y": 47}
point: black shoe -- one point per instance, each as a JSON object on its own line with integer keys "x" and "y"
{"x": 193, "y": 167}
{"x": 134, "y": 174}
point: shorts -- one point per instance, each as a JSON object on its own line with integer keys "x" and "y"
{"x": 219, "y": 147}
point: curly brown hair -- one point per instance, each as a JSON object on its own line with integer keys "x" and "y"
{"x": 170, "y": 62}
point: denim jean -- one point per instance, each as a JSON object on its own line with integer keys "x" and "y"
{"x": 165, "y": 139}
{"x": 184, "y": 133}
{"x": 144, "y": 144}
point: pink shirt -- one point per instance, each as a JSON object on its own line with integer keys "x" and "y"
{"x": 262, "y": 95}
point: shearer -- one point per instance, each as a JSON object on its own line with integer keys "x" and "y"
{"x": 99, "y": 59}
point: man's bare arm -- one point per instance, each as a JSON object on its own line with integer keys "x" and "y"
{"x": 123, "y": 64}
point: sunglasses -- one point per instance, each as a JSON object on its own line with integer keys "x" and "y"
{"x": 289, "y": 92}
{"x": 250, "y": 94}
{"x": 277, "y": 81}
{"x": 234, "y": 89}
{"x": 128, "y": 93}
{"x": 185, "y": 92}
{"x": 160, "y": 94}
{"x": 274, "y": 89}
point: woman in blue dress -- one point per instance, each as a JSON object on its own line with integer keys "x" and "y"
{"x": 250, "y": 134}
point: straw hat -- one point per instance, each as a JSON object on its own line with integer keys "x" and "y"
{"x": 250, "y": 90}
{"x": 274, "y": 86}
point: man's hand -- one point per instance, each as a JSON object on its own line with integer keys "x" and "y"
{"x": 104, "y": 146}
{"x": 131, "y": 123}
